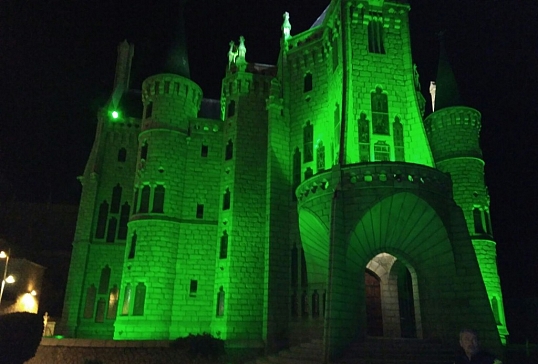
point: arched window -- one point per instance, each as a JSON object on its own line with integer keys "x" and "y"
{"x": 100, "y": 312}
{"x": 126, "y": 300}
{"x": 320, "y": 156}
{"x": 231, "y": 109}
{"x": 220, "y": 302}
{"x": 104, "y": 280}
{"x": 122, "y": 155}
{"x": 144, "y": 199}
{"x": 116, "y": 199}
{"x": 111, "y": 233}
{"x": 158, "y": 199}
{"x": 307, "y": 82}
{"x": 229, "y": 150}
{"x": 308, "y": 143}
{"x": 223, "y": 245}
{"x": 132, "y": 249}
{"x": 226, "y": 200}
{"x": 375, "y": 36}
{"x": 101, "y": 221}
{"x": 91, "y": 294}
{"x": 380, "y": 112}
{"x": 139, "y": 300}
{"x": 112, "y": 303}
{"x": 124, "y": 219}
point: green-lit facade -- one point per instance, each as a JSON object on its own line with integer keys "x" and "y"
{"x": 313, "y": 200}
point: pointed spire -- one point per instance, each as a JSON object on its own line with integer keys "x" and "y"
{"x": 177, "y": 61}
{"x": 446, "y": 93}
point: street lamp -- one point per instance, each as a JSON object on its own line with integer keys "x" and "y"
{"x": 5, "y": 278}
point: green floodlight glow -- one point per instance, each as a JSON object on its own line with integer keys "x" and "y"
{"x": 115, "y": 114}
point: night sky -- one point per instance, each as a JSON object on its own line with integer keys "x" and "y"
{"x": 57, "y": 63}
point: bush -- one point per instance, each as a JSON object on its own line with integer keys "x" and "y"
{"x": 203, "y": 345}
{"x": 20, "y": 335}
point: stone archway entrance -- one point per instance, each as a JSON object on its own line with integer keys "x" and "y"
{"x": 391, "y": 307}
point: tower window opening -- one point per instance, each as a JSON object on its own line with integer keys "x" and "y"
{"x": 205, "y": 150}
{"x": 149, "y": 110}
{"x": 116, "y": 199}
{"x": 193, "y": 289}
{"x": 226, "y": 200}
{"x": 126, "y": 300}
{"x": 223, "y": 254}
{"x": 375, "y": 36}
{"x": 112, "y": 303}
{"x": 380, "y": 112}
{"x": 100, "y": 312}
{"x": 91, "y": 295}
{"x": 308, "y": 173}
{"x": 199, "y": 211}
{"x": 124, "y": 219}
{"x": 139, "y": 300}
{"x": 231, "y": 109}
{"x": 132, "y": 249}
{"x": 478, "y": 224}
{"x": 135, "y": 199}
{"x": 220, "y": 302}
{"x": 101, "y": 220}
{"x": 104, "y": 280}
{"x": 144, "y": 151}
{"x": 320, "y": 157}
{"x": 156, "y": 87}
{"x": 144, "y": 199}
{"x": 167, "y": 87}
{"x": 308, "y": 143}
{"x": 307, "y": 82}
{"x": 229, "y": 150}
{"x": 122, "y": 155}
{"x": 158, "y": 199}
{"x": 111, "y": 233}
{"x": 487, "y": 219}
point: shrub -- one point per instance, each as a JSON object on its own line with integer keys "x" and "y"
{"x": 20, "y": 335}
{"x": 203, "y": 345}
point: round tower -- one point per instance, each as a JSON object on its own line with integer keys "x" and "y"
{"x": 149, "y": 271}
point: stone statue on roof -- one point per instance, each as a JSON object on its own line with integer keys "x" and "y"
{"x": 286, "y": 26}
{"x": 232, "y": 54}
{"x": 241, "y": 49}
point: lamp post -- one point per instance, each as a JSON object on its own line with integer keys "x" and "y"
{"x": 5, "y": 256}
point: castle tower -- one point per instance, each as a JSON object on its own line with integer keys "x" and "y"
{"x": 99, "y": 242}
{"x": 454, "y": 133}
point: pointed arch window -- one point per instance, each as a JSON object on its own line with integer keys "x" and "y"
{"x": 104, "y": 280}
{"x": 132, "y": 249}
{"x": 111, "y": 233}
{"x": 139, "y": 300}
{"x": 122, "y": 155}
{"x": 101, "y": 220}
{"x": 126, "y": 300}
{"x": 144, "y": 199}
{"x": 229, "y": 150}
{"x": 100, "y": 312}
{"x": 124, "y": 219}
{"x": 308, "y": 142}
{"x": 116, "y": 199}
{"x": 223, "y": 254}
{"x": 91, "y": 295}
{"x": 307, "y": 82}
{"x": 226, "y": 201}
{"x": 158, "y": 199}
{"x": 112, "y": 303}
{"x": 220, "y": 302}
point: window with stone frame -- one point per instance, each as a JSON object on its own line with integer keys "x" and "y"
{"x": 199, "y": 211}
{"x": 104, "y": 280}
{"x": 122, "y": 155}
{"x": 320, "y": 157}
{"x": 380, "y": 112}
{"x": 126, "y": 300}
{"x": 375, "y": 35}
{"x": 132, "y": 248}
{"x": 223, "y": 251}
{"x": 229, "y": 153}
{"x": 308, "y": 142}
{"x": 113, "y": 297}
{"x": 307, "y": 82}
{"x": 478, "y": 222}
{"x": 226, "y": 200}
{"x": 144, "y": 151}
{"x": 111, "y": 232}
{"x": 158, "y": 199}
{"x": 220, "y": 302}
{"x": 91, "y": 295}
{"x": 193, "y": 288}
{"x": 102, "y": 219}
{"x": 230, "y": 109}
{"x": 144, "y": 199}
{"x": 116, "y": 199}
{"x": 124, "y": 219}
{"x": 149, "y": 110}
{"x": 139, "y": 299}
{"x": 100, "y": 310}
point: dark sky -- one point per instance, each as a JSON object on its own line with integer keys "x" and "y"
{"x": 57, "y": 61}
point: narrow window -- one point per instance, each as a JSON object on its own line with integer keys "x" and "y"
{"x": 199, "y": 211}
{"x": 139, "y": 300}
{"x": 205, "y": 150}
{"x": 193, "y": 288}
{"x": 144, "y": 151}
{"x": 111, "y": 233}
{"x": 167, "y": 87}
{"x": 158, "y": 199}
{"x": 380, "y": 112}
{"x": 364, "y": 138}
{"x": 149, "y": 110}
{"x": 126, "y": 300}
{"x": 315, "y": 303}
{"x": 397, "y": 130}
{"x": 223, "y": 254}
{"x": 135, "y": 200}
{"x": 307, "y": 86}
{"x": 231, "y": 108}
{"x": 124, "y": 219}
{"x": 375, "y": 36}
{"x": 156, "y": 87}
{"x": 116, "y": 199}
{"x": 144, "y": 199}
{"x": 101, "y": 221}
{"x": 90, "y": 301}
{"x": 308, "y": 143}
{"x": 112, "y": 303}
{"x": 226, "y": 200}
{"x": 229, "y": 150}
{"x": 477, "y": 216}
{"x": 495, "y": 309}
{"x": 100, "y": 312}
{"x": 296, "y": 172}
{"x": 122, "y": 155}
{"x": 132, "y": 249}
{"x": 220, "y": 302}
{"x": 176, "y": 88}
{"x": 104, "y": 280}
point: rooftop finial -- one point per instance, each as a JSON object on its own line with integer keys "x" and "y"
{"x": 286, "y": 26}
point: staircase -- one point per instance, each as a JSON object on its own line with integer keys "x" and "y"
{"x": 371, "y": 351}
